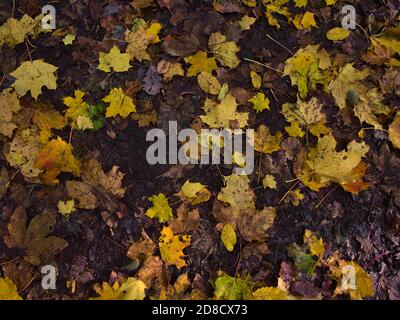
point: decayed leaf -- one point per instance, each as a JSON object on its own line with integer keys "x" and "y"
{"x": 138, "y": 40}
{"x": 40, "y": 248}
{"x": 194, "y": 193}
{"x": 269, "y": 182}
{"x": 228, "y": 237}
{"x": 185, "y": 220}
{"x": 394, "y": 131}
{"x": 199, "y": 63}
{"x": 171, "y": 247}
{"x": 32, "y": 76}
{"x": 347, "y": 81}
{"x": 114, "y": 61}
{"x": 97, "y": 188}
{"x": 152, "y": 81}
{"x": 307, "y": 114}
{"x": 160, "y": 209}
{"x": 303, "y": 261}
{"x": 14, "y": 31}
{"x": 8, "y": 290}
{"x": 232, "y": 288}
{"x": 141, "y": 4}
{"x": 265, "y": 142}
{"x": 308, "y": 66}
{"x": 4, "y": 181}
{"x": 56, "y": 157}
{"x": 389, "y": 40}
{"x": 338, "y": 34}
{"x": 209, "y": 83}
{"x": 9, "y": 104}
{"x": 260, "y": 102}
{"x": 131, "y": 289}
{"x": 370, "y": 105}
{"x": 145, "y": 120}
{"x": 237, "y": 193}
{"x": 22, "y": 152}
{"x": 221, "y": 115}
{"x": 119, "y": 103}
{"x": 224, "y": 50}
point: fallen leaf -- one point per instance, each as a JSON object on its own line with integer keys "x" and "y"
{"x": 32, "y": 76}
{"x": 160, "y": 209}
{"x": 114, "y": 61}
{"x": 119, "y": 104}
{"x": 171, "y": 247}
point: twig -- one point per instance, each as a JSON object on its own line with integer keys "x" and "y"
{"x": 287, "y": 193}
{"x": 263, "y": 64}
{"x": 280, "y": 44}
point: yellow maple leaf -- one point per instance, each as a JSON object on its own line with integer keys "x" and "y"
{"x": 306, "y": 113}
{"x": 199, "y": 63}
{"x": 131, "y": 289}
{"x": 294, "y": 130}
{"x": 194, "y": 193}
{"x": 351, "y": 278}
{"x": 315, "y": 245}
{"x": 394, "y": 131}
{"x": 224, "y": 50}
{"x": 69, "y": 39}
{"x": 304, "y": 21}
{"x": 14, "y": 31}
{"x": 160, "y": 209}
{"x": 275, "y": 7}
{"x": 338, "y": 34}
{"x": 348, "y": 81}
{"x": 8, "y": 290}
{"x": 246, "y": 22}
{"x": 76, "y": 105}
{"x": 171, "y": 247}
{"x": 56, "y": 157}
{"x": 9, "y": 105}
{"x": 271, "y": 293}
{"x": 120, "y": 104}
{"x": 237, "y": 193}
{"x": 228, "y": 237}
{"x": 265, "y": 142}
{"x": 114, "y": 61}
{"x": 66, "y": 207}
{"x": 256, "y": 80}
{"x": 153, "y": 30}
{"x": 300, "y": 3}
{"x": 269, "y": 182}
{"x": 32, "y": 76}
{"x": 209, "y": 83}
{"x": 221, "y": 115}
{"x": 138, "y": 42}
{"x": 46, "y": 118}
{"x": 308, "y": 66}
{"x": 369, "y": 106}
{"x": 260, "y": 102}
{"x": 145, "y": 120}
{"x": 341, "y": 167}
